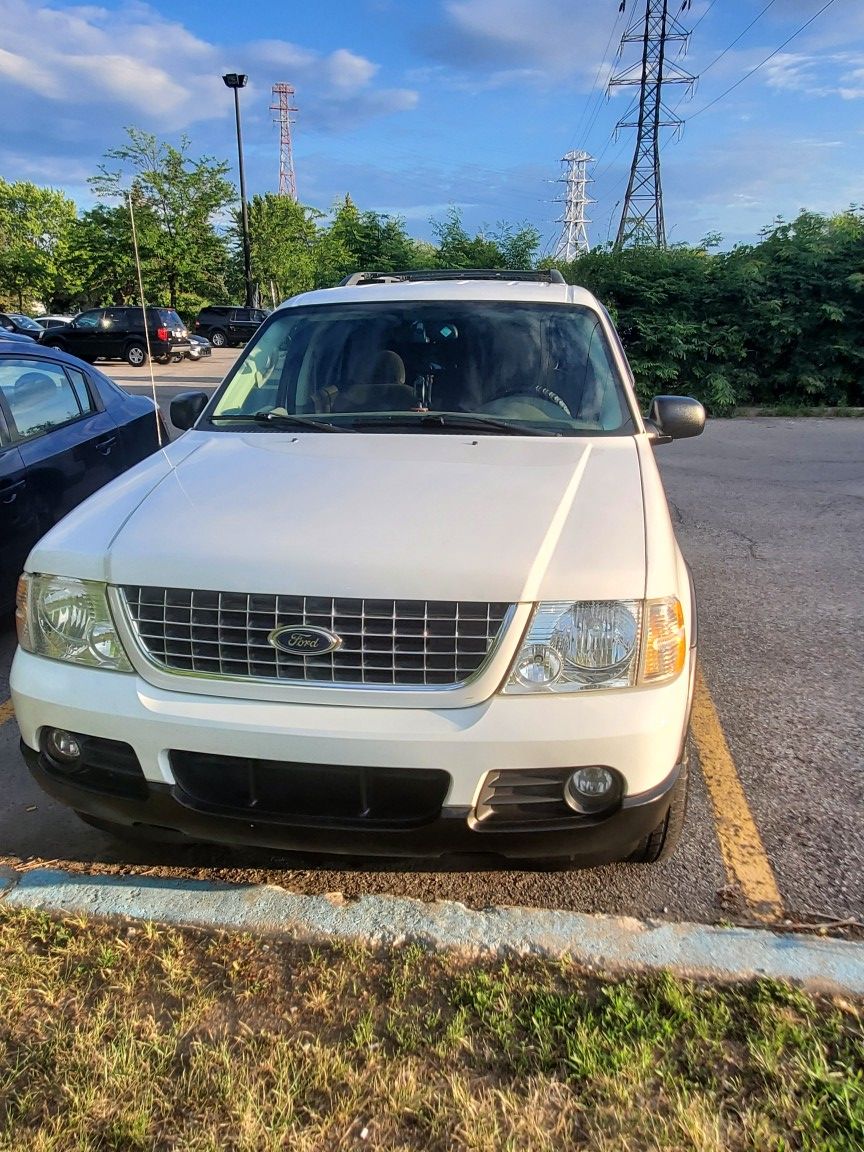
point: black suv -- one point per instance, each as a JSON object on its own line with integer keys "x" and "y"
{"x": 118, "y": 334}
{"x": 226, "y": 324}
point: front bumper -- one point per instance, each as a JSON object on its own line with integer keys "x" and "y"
{"x": 638, "y": 733}
{"x": 165, "y": 808}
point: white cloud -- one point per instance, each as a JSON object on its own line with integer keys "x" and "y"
{"x": 838, "y": 74}
{"x": 539, "y": 42}
{"x": 348, "y": 71}
{"x": 135, "y": 64}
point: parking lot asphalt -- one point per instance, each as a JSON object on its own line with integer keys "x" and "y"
{"x": 770, "y": 514}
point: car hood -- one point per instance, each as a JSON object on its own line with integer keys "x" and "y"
{"x": 449, "y": 517}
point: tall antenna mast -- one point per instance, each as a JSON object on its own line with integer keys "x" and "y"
{"x": 642, "y": 216}
{"x": 283, "y": 94}
{"x": 573, "y": 240}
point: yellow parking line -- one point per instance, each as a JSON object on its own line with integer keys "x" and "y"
{"x": 744, "y": 856}
{"x": 6, "y": 712}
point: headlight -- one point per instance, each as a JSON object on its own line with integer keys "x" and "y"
{"x": 571, "y": 647}
{"x": 68, "y": 619}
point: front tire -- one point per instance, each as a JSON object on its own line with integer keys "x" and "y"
{"x": 136, "y": 355}
{"x": 218, "y": 338}
{"x": 664, "y": 839}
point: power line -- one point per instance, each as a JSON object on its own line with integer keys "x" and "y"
{"x": 728, "y": 48}
{"x": 594, "y": 89}
{"x": 747, "y": 76}
{"x": 702, "y": 17}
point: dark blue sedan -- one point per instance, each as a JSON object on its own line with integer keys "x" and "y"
{"x": 65, "y": 430}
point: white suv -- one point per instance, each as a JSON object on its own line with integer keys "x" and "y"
{"x": 408, "y": 585}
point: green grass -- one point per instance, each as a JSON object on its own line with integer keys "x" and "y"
{"x": 134, "y": 1037}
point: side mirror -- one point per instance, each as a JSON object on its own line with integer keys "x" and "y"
{"x": 674, "y": 418}
{"x": 186, "y": 408}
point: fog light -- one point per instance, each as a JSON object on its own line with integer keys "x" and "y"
{"x": 62, "y": 747}
{"x": 592, "y": 789}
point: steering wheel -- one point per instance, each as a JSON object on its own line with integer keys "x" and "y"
{"x": 538, "y": 391}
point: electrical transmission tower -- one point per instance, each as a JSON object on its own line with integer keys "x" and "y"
{"x": 642, "y": 216}
{"x": 573, "y": 240}
{"x": 283, "y": 94}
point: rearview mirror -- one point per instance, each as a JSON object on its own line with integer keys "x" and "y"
{"x": 674, "y": 418}
{"x": 186, "y": 408}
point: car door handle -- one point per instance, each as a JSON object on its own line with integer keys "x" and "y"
{"x": 106, "y": 444}
{"x": 9, "y": 490}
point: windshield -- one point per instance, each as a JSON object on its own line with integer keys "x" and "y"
{"x": 24, "y": 321}
{"x": 439, "y": 366}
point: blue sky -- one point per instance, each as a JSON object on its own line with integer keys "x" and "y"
{"x": 413, "y": 107}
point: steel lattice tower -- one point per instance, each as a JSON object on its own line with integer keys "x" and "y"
{"x": 284, "y": 94}
{"x": 642, "y": 216}
{"x": 573, "y": 240}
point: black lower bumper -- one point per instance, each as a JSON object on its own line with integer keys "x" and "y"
{"x": 164, "y": 808}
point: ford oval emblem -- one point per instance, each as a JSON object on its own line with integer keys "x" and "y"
{"x": 305, "y": 641}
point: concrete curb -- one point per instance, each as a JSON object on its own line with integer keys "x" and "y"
{"x": 608, "y": 943}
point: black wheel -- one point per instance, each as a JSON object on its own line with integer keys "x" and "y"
{"x": 662, "y": 842}
{"x": 218, "y": 338}
{"x": 136, "y": 355}
{"x": 138, "y": 832}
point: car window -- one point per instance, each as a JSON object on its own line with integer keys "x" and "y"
{"x": 88, "y": 319}
{"x": 40, "y": 396}
{"x": 25, "y": 322}
{"x": 114, "y": 318}
{"x": 82, "y": 392}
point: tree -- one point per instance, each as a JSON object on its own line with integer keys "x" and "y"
{"x": 804, "y": 328}
{"x": 504, "y": 248}
{"x": 368, "y": 241}
{"x": 103, "y": 265}
{"x": 35, "y": 226}
{"x": 283, "y": 239}
{"x": 177, "y": 203}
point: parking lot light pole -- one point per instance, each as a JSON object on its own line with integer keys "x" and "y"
{"x": 236, "y": 81}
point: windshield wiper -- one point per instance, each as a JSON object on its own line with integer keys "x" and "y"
{"x": 466, "y": 421}
{"x": 276, "y": 419}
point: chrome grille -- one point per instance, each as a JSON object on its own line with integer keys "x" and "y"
{"x": 400, "y": 643}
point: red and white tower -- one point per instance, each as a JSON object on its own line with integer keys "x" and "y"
{"x": 283, "y": 94}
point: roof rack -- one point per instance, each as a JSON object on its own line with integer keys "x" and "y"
{"x": 542, "y": 275}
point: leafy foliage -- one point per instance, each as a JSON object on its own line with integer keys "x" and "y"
{"x": 177, "y": 201}
{"x": 775, "y": 322}
{"x": 35, "y": 226}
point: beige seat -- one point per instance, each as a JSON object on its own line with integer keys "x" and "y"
{"x": 384, "y": 391}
